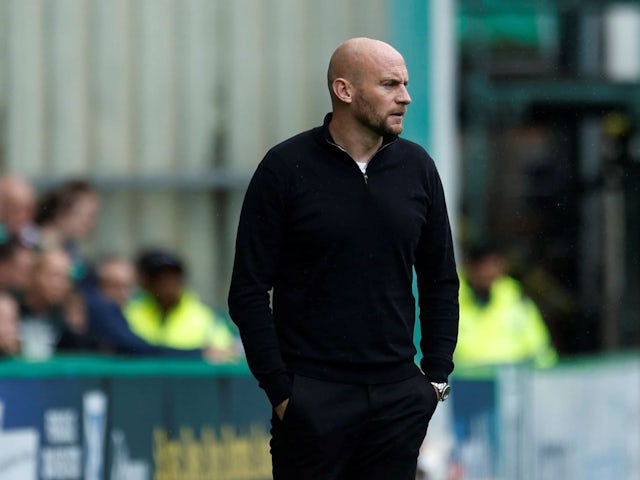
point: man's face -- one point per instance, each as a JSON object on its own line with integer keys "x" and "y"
{"x": 80, "y": 220}
{"x": 166, "y": 286}
{"x": 117, "y": 280}
{"x": 18, "y": 208}
{"x": 51, "y": 277}
{"x": 484, "y": 272}
{"x": 22, "y": 263}
{"x": 381, "y": 96}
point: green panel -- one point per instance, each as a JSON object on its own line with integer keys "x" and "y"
{"x": 246, "y": 403}
{"x": 136, "y": 408}
{"x": 215, "y": 428}
{"x": 99, "y": 366}
{"x": 506, "y": 28}
{"x": 194, "y": 401}
{"x": 248, "y": 409}
{"x": 409, "y": 34}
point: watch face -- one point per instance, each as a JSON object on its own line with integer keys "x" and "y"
{"x": 444, "y": 394}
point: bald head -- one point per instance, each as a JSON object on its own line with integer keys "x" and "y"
{"x": 354, "y": 57}
{"x": 368, "y": 85}
{"x": 17, "y": 198}
{"x": 15, "y": 186}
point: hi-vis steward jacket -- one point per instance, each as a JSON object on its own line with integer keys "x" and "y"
{"x": 507, "y": 329}
{"x": 190, "y": 324}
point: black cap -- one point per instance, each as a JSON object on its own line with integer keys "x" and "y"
{"x": 154, "y": 261}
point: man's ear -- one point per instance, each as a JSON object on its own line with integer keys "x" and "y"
{"x": 343, "y": 90}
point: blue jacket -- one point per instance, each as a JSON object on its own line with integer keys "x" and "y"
{"x": 108, "y": 327}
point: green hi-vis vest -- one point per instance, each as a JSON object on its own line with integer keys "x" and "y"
{"x": 507, "y": 329}
{"x": 190, "y": 324}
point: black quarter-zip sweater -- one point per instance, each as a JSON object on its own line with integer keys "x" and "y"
{"x": 338, "y": 248}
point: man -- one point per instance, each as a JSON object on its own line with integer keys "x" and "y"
{"x": 46, "y": 320}
{"x": 167, "y": 313}
{"x": 499, "y": 323}
{"x": 108, "y": 330}
{"x": 334, "y": 221}
{"x": 17, "y": 202}
{"x": 66, "y": 216}
{"x": 116, "y": 279}
{"x": 16, "y": 262}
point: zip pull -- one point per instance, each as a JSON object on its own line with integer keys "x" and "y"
{"x": 362, "y": 166}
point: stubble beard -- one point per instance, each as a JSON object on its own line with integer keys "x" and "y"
{"x": 367, "y": 115}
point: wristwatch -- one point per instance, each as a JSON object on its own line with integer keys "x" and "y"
{"x": 444, "y": 390}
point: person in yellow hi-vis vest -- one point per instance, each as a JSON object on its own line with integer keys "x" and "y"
{"x": 499, "y": 323}
{"x": 165, "y": 312}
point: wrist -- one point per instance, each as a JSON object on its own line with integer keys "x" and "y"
{"x": 443, "y": 390}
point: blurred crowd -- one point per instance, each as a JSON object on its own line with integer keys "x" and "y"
{"x": 54, "y": 299}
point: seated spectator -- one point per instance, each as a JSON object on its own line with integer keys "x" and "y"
{"x": 9, "y": 326}
{"x": 116, "y": 279}
{"x": 167, "y": 313}
{"x": 499, "y": 323}
{"x": 18, "y": 200}
{"x": 107, "y": 327}
{"x": 44, "y": 301}
{"x": 16, "y": 262}
{"x": 66, "y": 216}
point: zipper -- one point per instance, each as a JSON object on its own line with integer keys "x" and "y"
{"x": 364, "y": 174}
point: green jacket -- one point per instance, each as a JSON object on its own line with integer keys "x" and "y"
{"x": 190, "y": 324}
{"x": 507, "y": 329}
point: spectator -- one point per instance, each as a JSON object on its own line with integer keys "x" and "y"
{"x": 6, "y": 255}
{"x": 16, "y": 262}
{"x": 18, "y": 200}
{"x": 498, "y": 323}
{"x": 108, "y": 330}
{"x": 167, "y": 313}
{"x": 116, "y": 279}
{"x": 9, "y": 326}
{"x": 66, "y": 216}
{"x": 44, "y": 301}
{"x": 49, "y": 286}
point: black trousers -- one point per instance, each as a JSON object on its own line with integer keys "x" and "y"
{"x": 334, "y": 431}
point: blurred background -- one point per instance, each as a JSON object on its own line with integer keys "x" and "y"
{"x": 167, "y": 107}
{"x": 531, "y": 110}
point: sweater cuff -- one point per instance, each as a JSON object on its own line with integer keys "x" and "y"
{"x": 277, "y": 388}
{"x": 437, "y": 369}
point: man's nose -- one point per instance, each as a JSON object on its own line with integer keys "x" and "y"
{"x": 404, "y": 98}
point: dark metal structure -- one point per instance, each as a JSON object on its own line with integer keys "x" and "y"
{"x": 551, "y": 163}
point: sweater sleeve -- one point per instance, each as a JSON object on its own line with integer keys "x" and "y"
{"x": 259, "y": 243}
{"x": 438, "y": 286}
{"x": 107, "y": 323}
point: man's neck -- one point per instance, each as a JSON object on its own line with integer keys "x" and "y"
{"x": 359, "y": 143}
